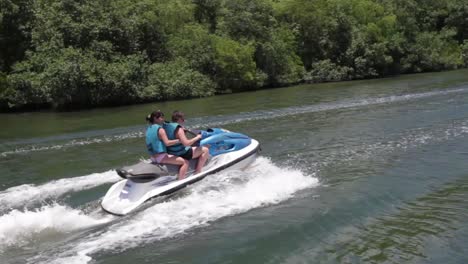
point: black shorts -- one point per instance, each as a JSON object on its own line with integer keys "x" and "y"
{"x": 188, "y": 155}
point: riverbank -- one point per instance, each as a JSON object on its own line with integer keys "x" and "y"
{"x": 85, "y": 54}
{"x": 47, "y": 122}
{"x": 50, "y": 108}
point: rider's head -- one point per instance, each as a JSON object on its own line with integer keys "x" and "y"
{"x": 156, "y": 117}
{"x": 178, "y": 116}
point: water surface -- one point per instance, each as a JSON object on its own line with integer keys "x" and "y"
{"x": 352, "y": 172}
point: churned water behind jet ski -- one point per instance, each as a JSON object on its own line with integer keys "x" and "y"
{"x": 146, "y": 180}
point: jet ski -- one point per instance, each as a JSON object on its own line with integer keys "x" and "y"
{"x": 146, "y": 180}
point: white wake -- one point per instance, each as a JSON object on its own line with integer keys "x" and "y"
{"x": 220, "y": 195}
{"x": 25, "y": 194}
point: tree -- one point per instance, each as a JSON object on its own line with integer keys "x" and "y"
{"x": 175, "y": 80}
{"x": 247, "y": 20}
{"x": 194, "y": 43}
{"x": 277, "y": 57}
{"x": 433, "y": 51}
{"x": 16, "y": 18}
{"x": 208, "y": 11}
{"x": 235, "y": 68}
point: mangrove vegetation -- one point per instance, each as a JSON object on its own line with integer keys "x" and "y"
{"x": 72, "y": 54}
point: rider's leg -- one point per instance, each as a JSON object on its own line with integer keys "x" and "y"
{"x": 176, "y": 160}
{"x": 202, "y": 153}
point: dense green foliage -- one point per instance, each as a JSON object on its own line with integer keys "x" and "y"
{"x": 82, "y": 53}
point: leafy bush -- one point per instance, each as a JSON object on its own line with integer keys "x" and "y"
{"x": 278, "y": 58}
{"x": 26, "y": 82}
{"x": 235, "y": 68}
{"x": 195, "y": 44}
{"x": 464, "y": 49}
{"x": 4, "y": 91}
{"x": 74, "y": 78}
{"x": 433, "y": 51}
{"x": 16, "y": 18}
{"x": 327, "y": 71}
{"x": 248, "y": 20}
{"x": 175, "y": 80}
{"x": 74, "y": 54}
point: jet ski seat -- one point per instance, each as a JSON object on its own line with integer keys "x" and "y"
{"x": 145, "y": 171}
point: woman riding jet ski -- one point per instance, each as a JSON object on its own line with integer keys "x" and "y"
{"x": 167, "y": 143}
{"x": 155, "y": 177}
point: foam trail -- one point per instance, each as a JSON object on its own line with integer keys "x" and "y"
{"x": 249, "y": 116}
{"x": 211, "y": 199}
{"x": 75, "y": 143}
{"x": 19, "y": 227}
{"x": 412, "y": 139}
{"x": 21, "y": 195}
{"x": 270, "y": 114}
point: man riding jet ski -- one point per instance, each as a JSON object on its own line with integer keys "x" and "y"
{"x": 185, "y": 148}
{"x": 151, "y": 178}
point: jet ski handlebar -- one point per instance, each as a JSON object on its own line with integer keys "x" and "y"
{"x": 220, "y": 141}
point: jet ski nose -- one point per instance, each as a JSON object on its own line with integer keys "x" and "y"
{"x": 122, "y": 173}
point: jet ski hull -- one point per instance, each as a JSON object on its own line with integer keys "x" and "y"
{"x": 126, "y": 195}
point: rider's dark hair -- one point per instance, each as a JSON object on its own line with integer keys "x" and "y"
{"x": 176, "y": 115}
{"x": 155, "y": 114}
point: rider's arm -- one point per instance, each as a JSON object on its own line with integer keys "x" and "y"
{"x": 193, "y": 133}
{"x": 183, "y": 139}
{"x": 163, "y": 136}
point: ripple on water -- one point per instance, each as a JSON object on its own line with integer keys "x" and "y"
{"x": 401, "y": 236}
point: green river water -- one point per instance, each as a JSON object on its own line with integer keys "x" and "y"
{"x": 369, "y": 171}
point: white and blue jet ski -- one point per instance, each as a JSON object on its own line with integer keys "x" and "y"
{"x": 146, "y": 180}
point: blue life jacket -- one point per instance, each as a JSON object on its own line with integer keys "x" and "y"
{"x": 177, "y": 149}
{"x": 153, "y": 143}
